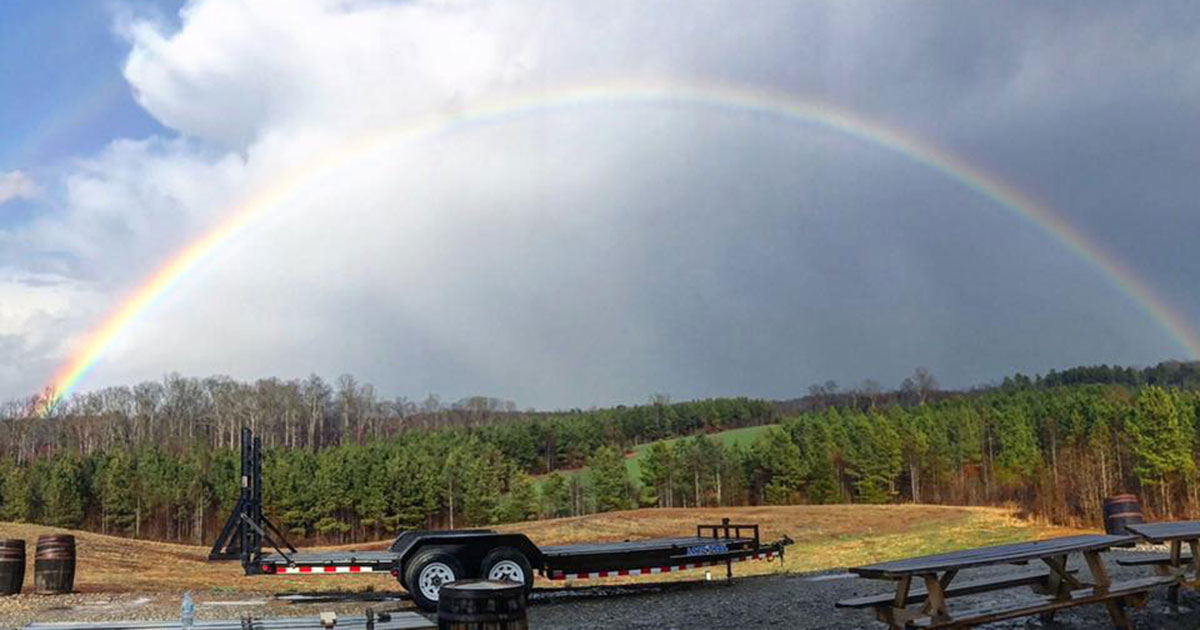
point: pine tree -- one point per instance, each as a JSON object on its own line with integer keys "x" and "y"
{"x": 610, "y": 479}
{"x": 118, "y": 494}
{"x": 556, "y": 496}
{"x": 62, "y": 495}
{"x": 658, "y": 474}
{"x": 778, "y": 466}
{"x": 414, "y": 479}
{"x": 1160, "y": 440}
{"x": 17, "y": 494}
{"x": 521, "y": 503}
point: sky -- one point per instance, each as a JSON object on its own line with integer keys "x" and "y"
{"x": 611, "y": 249}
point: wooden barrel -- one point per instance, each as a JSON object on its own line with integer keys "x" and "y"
{"x": 1121, "y": 510}
{"x": 54, "y": 564}
{"x": 482, "y": 605}
{"x": 12, "y": 565}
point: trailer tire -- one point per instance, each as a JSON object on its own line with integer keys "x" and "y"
{"x": 507, "y": 563}
{"x": 427, "y": 571}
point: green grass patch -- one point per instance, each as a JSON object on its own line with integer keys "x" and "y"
{"x": 742, "y": 437}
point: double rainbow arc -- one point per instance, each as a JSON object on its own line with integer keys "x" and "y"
{"x": 769, "y": 104}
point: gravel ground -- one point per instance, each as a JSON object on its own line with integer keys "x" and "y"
{"x": 800, "y": 602}
{"x": 805, "y": 602}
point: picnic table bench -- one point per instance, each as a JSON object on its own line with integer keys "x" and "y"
{"x": 1184, "y": 566}
{"x": 1058, "y": 585}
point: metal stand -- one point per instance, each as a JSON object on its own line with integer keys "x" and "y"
{"x": 246, "y": 528}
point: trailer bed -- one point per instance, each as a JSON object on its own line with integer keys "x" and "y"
{"x": 640, "y": 546}
{"x": 647, "y": 557}
{"x": 349, "y": 561}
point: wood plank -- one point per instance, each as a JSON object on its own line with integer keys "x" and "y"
{"x": 900, "y": 600}
{"x": 1058, "y": 567}
{"x": 1131, "y": 591}
{"x": 918, "y": 595}
{"x": 1164, "y": 532}
{"x": 984, "y": 556}
{"x": 936, "y": 604}
{"x": 1151, "y": 559}
{"x": 1099, "y": 571}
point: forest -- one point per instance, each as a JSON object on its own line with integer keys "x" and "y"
{"x": 159, "y": 460}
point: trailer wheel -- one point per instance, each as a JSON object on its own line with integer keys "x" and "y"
{"x": 427, "y": 571}
{"x": 506, "y": 563}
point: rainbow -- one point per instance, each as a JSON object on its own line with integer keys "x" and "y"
{"x": 97, "y": 97}
{"x": 771, "y": 105}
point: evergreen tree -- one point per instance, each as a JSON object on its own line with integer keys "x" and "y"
{"x": 556, "y": 496}
{"x": 414, "y": 480}
{"x": 17, "y": 494}
{"x": 118, "y": 494}
{"x": 658, "y": 474}
{"x": 610, "y": 480}
{"x": 777, "y": 466}
{"x": 1160, "y": 440}
{"x": 61, "y": 492}
{"x": 521, "y": 503}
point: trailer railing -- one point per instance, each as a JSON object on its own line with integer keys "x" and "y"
{"x": 724, "y": 530}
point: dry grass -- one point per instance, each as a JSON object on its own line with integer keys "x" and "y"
{"x": 826, "y": 537}
{"x": 114, "y": 564}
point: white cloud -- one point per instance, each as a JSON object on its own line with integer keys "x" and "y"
{"x": 16, "y": 185}
{"x": 577, "y": 256}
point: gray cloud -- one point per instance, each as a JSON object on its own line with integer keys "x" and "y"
{"x": 596, "y": 255}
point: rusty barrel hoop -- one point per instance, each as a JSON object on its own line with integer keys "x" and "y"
{"x": 54, "y": 564}
{"x": 1121, "y": 510}
{"x": 482, "y": 605}
{"x": 12, "y": 565}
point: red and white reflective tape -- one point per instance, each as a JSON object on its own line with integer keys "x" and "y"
{"x": 354, "y": 568}
{"x": 559, "y": 575}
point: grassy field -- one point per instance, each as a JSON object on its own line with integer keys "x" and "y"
{"x": 742, "y": 437}
{"x": 826, "y": 537}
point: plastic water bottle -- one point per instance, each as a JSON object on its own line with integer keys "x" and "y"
{"x": 187, "y": 611}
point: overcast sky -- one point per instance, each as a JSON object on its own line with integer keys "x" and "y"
{"x": 592, "y": 255}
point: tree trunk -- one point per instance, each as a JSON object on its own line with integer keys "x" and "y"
{"x": 914, "y": 477}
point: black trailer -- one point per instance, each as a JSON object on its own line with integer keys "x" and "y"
{"x": 424, "y": 560}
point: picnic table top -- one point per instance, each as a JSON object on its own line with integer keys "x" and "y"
{"x": 1164, "y": 532}
{"x": 984, "y": 556}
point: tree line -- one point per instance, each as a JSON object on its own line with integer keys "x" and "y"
{"x": 159, "y": 460}
{"x": 167, "y": 467}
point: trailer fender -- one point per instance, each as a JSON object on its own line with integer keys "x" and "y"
{"x": 470, "y": 547}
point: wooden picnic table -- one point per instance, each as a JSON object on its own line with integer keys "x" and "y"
{"x": 1058, "y": 584}
{"x": 1174, "y": 562}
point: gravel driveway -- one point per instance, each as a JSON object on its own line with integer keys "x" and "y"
{"x": 799, "y": 602}
{"x": 805, "y": 602}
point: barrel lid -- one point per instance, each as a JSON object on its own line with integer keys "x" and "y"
{"x": 483, "y": 586}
